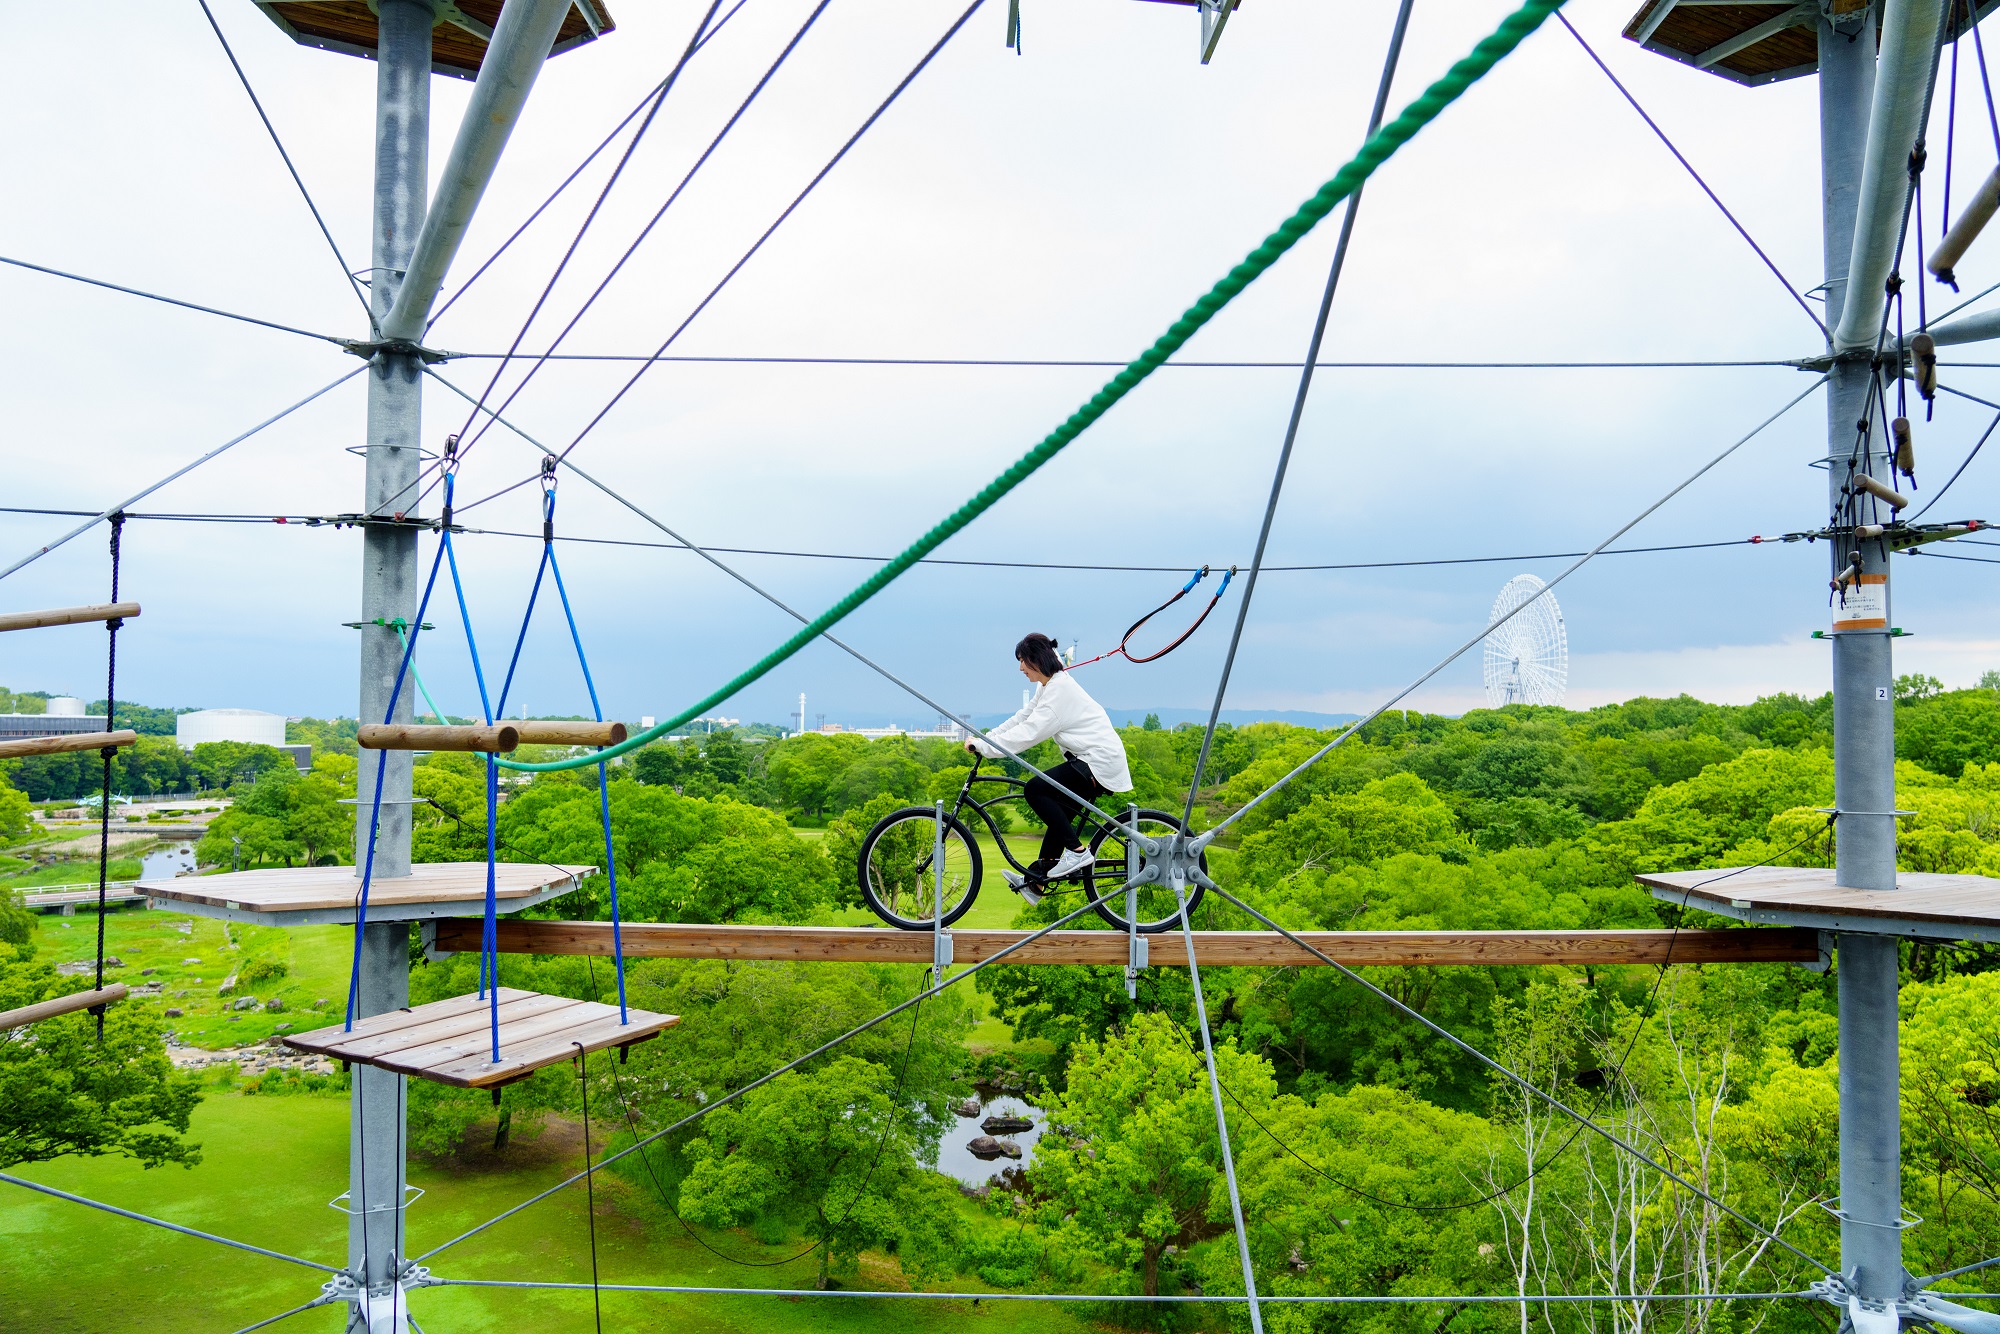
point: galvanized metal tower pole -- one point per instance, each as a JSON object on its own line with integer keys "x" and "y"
{"x": 389, "y": 577}
{"x": 1863, "y": 700}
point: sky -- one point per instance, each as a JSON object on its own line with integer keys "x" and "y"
{"x": 1067, "y": 202}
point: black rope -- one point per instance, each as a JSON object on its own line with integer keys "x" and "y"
{"x": 1348, "y": 212}
{"x": 589, "y": 1179}
{"x": 104, "y": 807}
{"x": 1716, "y": 199}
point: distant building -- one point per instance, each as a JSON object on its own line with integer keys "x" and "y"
{"x": 19, "y": 726}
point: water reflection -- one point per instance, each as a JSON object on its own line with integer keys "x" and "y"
{"x": 955, "y": 1157}
{"x": 167, "y": 861}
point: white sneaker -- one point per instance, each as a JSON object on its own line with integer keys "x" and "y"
{"x": 1072, "y": 861}
{"x": 1019, "y": 883}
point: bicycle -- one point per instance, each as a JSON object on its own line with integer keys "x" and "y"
{"x": 898, "y": 865}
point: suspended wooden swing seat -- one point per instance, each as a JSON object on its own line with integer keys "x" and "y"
{"x": 451, "y": 1041}
{"x": 328, "y": 895}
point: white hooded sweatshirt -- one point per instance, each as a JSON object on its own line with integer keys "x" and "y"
{"x": 1062, "y": 710}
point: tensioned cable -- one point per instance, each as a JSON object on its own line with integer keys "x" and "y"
{"x": 687, "y": 178}
{"x": 563, "y": 265}
{"x": 1679, "y": 157}
{"x": 757, "y": 245}
{"x": 1480, "y": 638}
{"x": 222, "y": 448}
{"x": 161, "y": 1222}
{"x": 1051, "y": 362}
{"x": 570, "y": 179}
{"x": 1939, "y": 555}
{"x": 334, "y": 521}
{"x": 300, "y": 1309}
{"x": 1292, "y": 424}
{"x": 1177, "y": 1299}
{"x": 346, "y": 269}
{"x": 1513, "y": 30}
{"x": 1977, "y": 445}
{"x": 169, "y": 300}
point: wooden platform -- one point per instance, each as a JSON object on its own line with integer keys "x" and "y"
{"x": 319, "y": 895}
{"x": 1939, "y": 907}
{"x": 1751, "y": 43}
{"x": 450, "y": 1041}
{"x": 656, "y": 940}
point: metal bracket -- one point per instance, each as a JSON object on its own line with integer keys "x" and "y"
{"x": 940, "y": 954}
{"x": 427, "y": 932}
{"x": 408, "y": 1200}
{"x": 1900, "y": 1225}
{"x": 1214, "y": 16}
{"x": 403, "y": 347}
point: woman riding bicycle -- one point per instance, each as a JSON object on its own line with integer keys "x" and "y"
{"x": 1093, "y": 760}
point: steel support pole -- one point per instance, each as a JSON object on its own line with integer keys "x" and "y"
{"x": 1864, "y": 717}
{"x": 389, "y": 579}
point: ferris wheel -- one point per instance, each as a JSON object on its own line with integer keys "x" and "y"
{"x": 1527, "y": 659}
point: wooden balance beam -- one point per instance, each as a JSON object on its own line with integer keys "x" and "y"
{"x": 852, "y": 944}
{"x": 35, "y": 620}
{"x": 49, "y": 1009}
{"x": 56, "y": 745}
{"x": 569, "y": 734}
{"x": 409, "y": 736}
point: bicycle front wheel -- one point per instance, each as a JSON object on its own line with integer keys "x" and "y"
{"x": 1154, "y": 906}
{"x": 898, "y": 869}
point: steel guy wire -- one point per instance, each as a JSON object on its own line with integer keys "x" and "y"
{"x": 794, "y": 1064}
{"x": 570, "y": 179}
{"x": 171, "y": 300}
{"x": 1479, "y": 638}
{"x": 1505, "y": 1072}
{"x": 1939, "y": 555}
{"x": 659, "y": 99}
{"x": 346, "y": 269}
{"x": 321, "y": 1300}
{"x": 779, "y": 221}
{"x": 1714, "y": 198}
{"x": 86, "y": 526}
{"x": 1375, "y": 114}
{"x": 1939, "y": 495}
{"x": 1058, "y": 363}
{"x": 1088, "y": 808}
{"x": 161, "y": 1222}
{"x": 1968, "y": 301}
{"x": 1186, "y": 1299}
{"x": 617, "y": 267}
{"x": 345, "y": 521}
{"x": 1929, "y": 1279}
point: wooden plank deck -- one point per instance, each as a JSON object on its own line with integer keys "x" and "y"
{"x": 330, "y": 893}
{"x": 450, "y": 1041}
{"x": 658, "y": 940}
{"x": 1923, "y": 903}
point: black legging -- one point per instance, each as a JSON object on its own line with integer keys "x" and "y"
{"x": 1057, "y": 810}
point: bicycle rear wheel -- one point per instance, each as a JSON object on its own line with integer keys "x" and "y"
{"x": 898, "y": 869}
{"x": 1156, "y": 908}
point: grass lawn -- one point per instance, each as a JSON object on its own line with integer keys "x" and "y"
{"x": 73, "y": 1270}
{"x": 191, "y": 956}
{"x": 13, "y": 876}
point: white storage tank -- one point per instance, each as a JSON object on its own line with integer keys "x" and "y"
{"x": 252, "y": 726}
{"x": 65, "y": 706}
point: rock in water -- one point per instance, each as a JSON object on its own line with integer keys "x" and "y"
{"x": 1006, "y": 1125}
{"x": 970, "y": 1107}
{"x": 987, "y": 1148}
{"x": 1010, "y": 1148}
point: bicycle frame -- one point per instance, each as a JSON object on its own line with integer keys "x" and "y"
{"x": 1020, "y": 789}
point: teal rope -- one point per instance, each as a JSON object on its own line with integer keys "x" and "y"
{"x": 1379, "y": 148}
{"x": 403, "y": 633}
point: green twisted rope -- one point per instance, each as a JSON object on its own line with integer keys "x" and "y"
{"x": 1510, "y": 34}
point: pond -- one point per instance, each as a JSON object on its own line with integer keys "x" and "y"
{"x": 956, "y": 1160}
{"x": 167, "y": 860}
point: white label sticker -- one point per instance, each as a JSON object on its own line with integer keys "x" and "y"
{"x": 1864, "y": 606}
{"x": 1881, "y": 692}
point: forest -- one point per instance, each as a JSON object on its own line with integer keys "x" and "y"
{"x": 1373, "y": 1156}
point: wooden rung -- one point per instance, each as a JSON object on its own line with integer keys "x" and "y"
{"x": 57, "y": 745}
{"x": 569, "y": 734}
{"x": 856, "y": 944}
{"x": 35, "y": 620}
{"x": 410, "y": 736}
{"x": 49, "y": 1009}
{"x": 450, "y": 1023}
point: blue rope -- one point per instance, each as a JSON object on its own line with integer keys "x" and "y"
{"x": 382, "y": 766}
{"x": 489, "y": 956}
{"x": 603, "y": 777}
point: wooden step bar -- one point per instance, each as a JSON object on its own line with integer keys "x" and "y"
{"x": 70, "y": 1004}
{"x": 36, "y": 620}
{"x": 57, "y": 745}
{"x": 410, "y": 736}
{"x": 568, "y": 734}
{"x": 1360, "y": 949}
